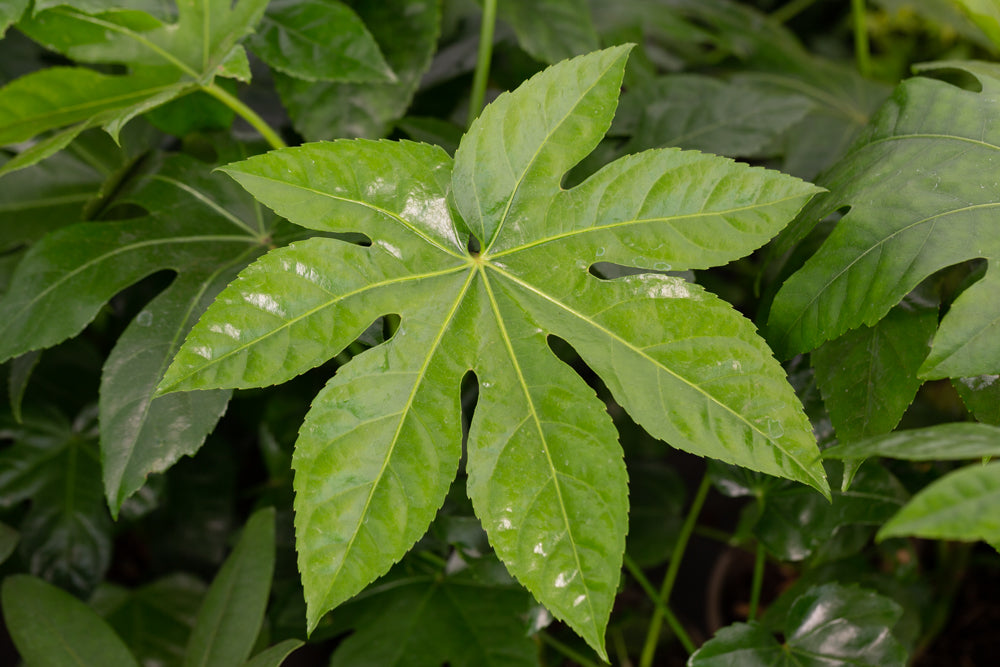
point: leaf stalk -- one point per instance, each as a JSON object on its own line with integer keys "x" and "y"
{"x": 246, "y": 113}
{"x": 486, "y": 30}
{"x": 653, "y": 634}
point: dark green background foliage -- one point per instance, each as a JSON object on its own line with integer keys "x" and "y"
{"x": 425, "y": 332}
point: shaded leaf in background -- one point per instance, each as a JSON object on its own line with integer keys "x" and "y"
{"x": 656, "y": 501}
{"x": 51, "y": 627}
{"x": 943, "y": 442}
{"x": 10, "y": 12}
{"x": 981, "y": 394}
{"x": 319, "y": 40}
{"x": 66, "y": 534}
{"x": 551, "y": 30}
{"x": 65, "y": 278}
{"x": 962, "y": 505}
{"x": 166, "y": 61}
{"x": 706, "y": 114}
{"x": 868, "y": 376}
{"x": 231, "y": 614}
{"x": 275, "y": 655}
{"x": 465, "y": 619}
{"x": 922, "y": 195}
{"x": 156, "y": 619}
{"x": 380, "y": 446}
{"x": 797, "y": 523}
{"x": 8, "y": 541}
{"x": 326, "y": 110}
{"x": 826, "y": 625}
{"x": 984, "y": 14}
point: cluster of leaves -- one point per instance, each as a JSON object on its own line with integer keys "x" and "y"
{"x": 478, "y": 334}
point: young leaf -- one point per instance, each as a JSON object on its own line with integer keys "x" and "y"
{"x": 943, "y": 442}
{"x": 962, "y": 505}
{"x": 920, "y": 201}
{"x": 827, "y": 625}
{"x": 382, "y": 441}
{"x": 319, "y": 40}
{"x": 230, "y": 617}
{"x": 51, "y": 627}
{"x": 324, "y": 110}
{"x": 868, "y": 376}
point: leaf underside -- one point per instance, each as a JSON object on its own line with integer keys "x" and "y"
{"x": 381, "y": 444}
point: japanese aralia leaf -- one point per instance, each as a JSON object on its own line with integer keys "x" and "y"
{"x": 382, "y": 441}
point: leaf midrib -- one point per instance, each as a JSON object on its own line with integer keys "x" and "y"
{"x": 336, "y": 298}
{"x": 554, "y": 474}
{"x": 407, "y": 407}
{"x": 583, "y": 318}
{"x": 541, "y": 145}
{"x": 643, "y": 221}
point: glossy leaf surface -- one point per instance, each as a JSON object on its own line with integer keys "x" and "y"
{"x": 66, "y": 534}
{"x": 827, "y": 625}
{"x": 796, "y": 523}
{"x": 922, "y": 197}
{"x": 319, "y": 40}
{"x": 51, "y": 627}
{"x": 868, "y": 376}
{"x": 326, "y": 110}
{"x": 233, "y": 610}
{"x": 962, "y": 505}
{"x": 382, "y": 441}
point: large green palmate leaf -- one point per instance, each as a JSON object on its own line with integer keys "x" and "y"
{"x": 165, "y": 60}
{"x": 826, "y": 625}
{"x": 382, "y": 441}
{"x": 922, "y": 195}
{"x": 205, "y": 228}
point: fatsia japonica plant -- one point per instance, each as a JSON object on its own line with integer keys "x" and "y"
{"x": 483, "y": 258}
{"x": 306, "y": 343}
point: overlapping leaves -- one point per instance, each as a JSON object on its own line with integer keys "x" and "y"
{"x": 383, "y": 439}
{"x": 203, "y": 227}
{"x": 922, "y": 193}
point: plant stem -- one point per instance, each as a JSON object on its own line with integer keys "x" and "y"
{"x": 791, "y": 10}
{"x": 861, "y": 51}
{"x": 567, "y": 651}
{"x": 246, "y": 113}
{"x": 483, "y": 61}
{"x": 758, "y": 582}
{"x": 672, "y": 621}
{"x": 653, "y": 634}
